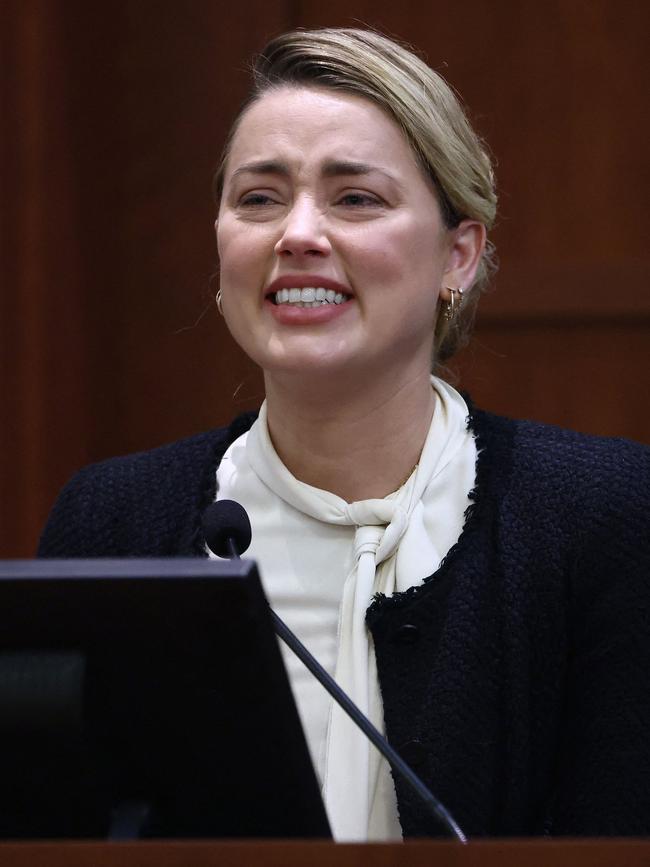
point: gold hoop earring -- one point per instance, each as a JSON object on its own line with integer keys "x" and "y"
{"x": 452, "y": 306}
{"x": 218, "y": 300}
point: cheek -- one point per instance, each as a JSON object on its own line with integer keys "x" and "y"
{"x": 374, "y": 256}
{"x": 239, "y": 256}
{"x": 425, "y": 253}
{"x": 410, "y": 257}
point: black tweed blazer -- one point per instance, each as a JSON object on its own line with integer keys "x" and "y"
{"x": 516, "y": 678}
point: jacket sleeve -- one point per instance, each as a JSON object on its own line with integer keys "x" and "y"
{"x": 603, "y": 770}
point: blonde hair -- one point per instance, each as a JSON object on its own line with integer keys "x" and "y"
{"x": 368, "y": 64}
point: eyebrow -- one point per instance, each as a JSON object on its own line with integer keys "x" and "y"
{"x": 331, "y": 169}
{"x": 264, "y": 167}
{"x": 343, "y": 167}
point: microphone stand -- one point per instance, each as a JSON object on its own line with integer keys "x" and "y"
{"x": 396, "y": 762}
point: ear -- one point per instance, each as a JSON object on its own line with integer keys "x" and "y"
{"x": 216, "y": 234}
{"x": 467, "y": 242}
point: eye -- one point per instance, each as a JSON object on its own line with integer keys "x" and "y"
{"x": 358, "y": 199}
{"x": 256, "y": 200}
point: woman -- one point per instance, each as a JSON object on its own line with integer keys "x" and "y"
{"x": 477, "y": 584}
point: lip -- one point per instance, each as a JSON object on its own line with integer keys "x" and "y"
{"x": 302, "y": 281}
{"x": 286, "y": 314}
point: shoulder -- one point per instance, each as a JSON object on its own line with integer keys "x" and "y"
{"x": 139, "y": 469}
{"x": 143, "y": 503}
{"x": 580, "y": 498}
{"x": 561, "y": 460}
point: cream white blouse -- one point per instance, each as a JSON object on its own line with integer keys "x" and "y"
{"x": 321, "y": 560}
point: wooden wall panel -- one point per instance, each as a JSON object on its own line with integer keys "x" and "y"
{"x": 590, "y": 376}
{"x": 109, "y": 340}
{"x": 111, "y": 127}
{"x": 43, "y": 303}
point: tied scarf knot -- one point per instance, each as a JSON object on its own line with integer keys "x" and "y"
{"x": 380, "y": 526}
{"x": 367, "y": 541}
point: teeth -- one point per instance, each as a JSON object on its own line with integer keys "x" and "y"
{"x": 310, "y": 296}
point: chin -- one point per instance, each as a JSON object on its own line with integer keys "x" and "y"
{"x": 311, "y": 357}
{"x": 307, "y": 365}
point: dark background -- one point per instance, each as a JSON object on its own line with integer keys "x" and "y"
{"x": 111, "y": 123}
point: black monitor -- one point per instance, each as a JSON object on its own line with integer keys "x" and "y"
{"x": 147, "y": 697}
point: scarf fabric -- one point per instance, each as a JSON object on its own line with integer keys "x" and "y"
{"x": 391, "y": 542}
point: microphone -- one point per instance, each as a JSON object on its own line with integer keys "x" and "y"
{"x": 227, "y": 530}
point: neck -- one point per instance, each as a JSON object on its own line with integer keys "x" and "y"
{"x": 359, "y": 442}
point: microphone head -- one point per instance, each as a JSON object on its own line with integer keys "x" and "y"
{"x": 226, "y": 520}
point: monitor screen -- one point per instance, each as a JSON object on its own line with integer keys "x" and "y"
{"x": 147, "y": 697}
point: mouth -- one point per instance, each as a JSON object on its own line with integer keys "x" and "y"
{"x": 308, "y": 296}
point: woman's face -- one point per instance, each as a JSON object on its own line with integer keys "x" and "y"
{"x": 323, "y": 201}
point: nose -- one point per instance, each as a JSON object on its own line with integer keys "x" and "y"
{"x": 303, "y": 232}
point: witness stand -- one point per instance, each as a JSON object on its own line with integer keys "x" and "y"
{"x": 233, "y": 853}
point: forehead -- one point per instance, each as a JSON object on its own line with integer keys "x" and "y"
{"x": 316, "y": 123}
